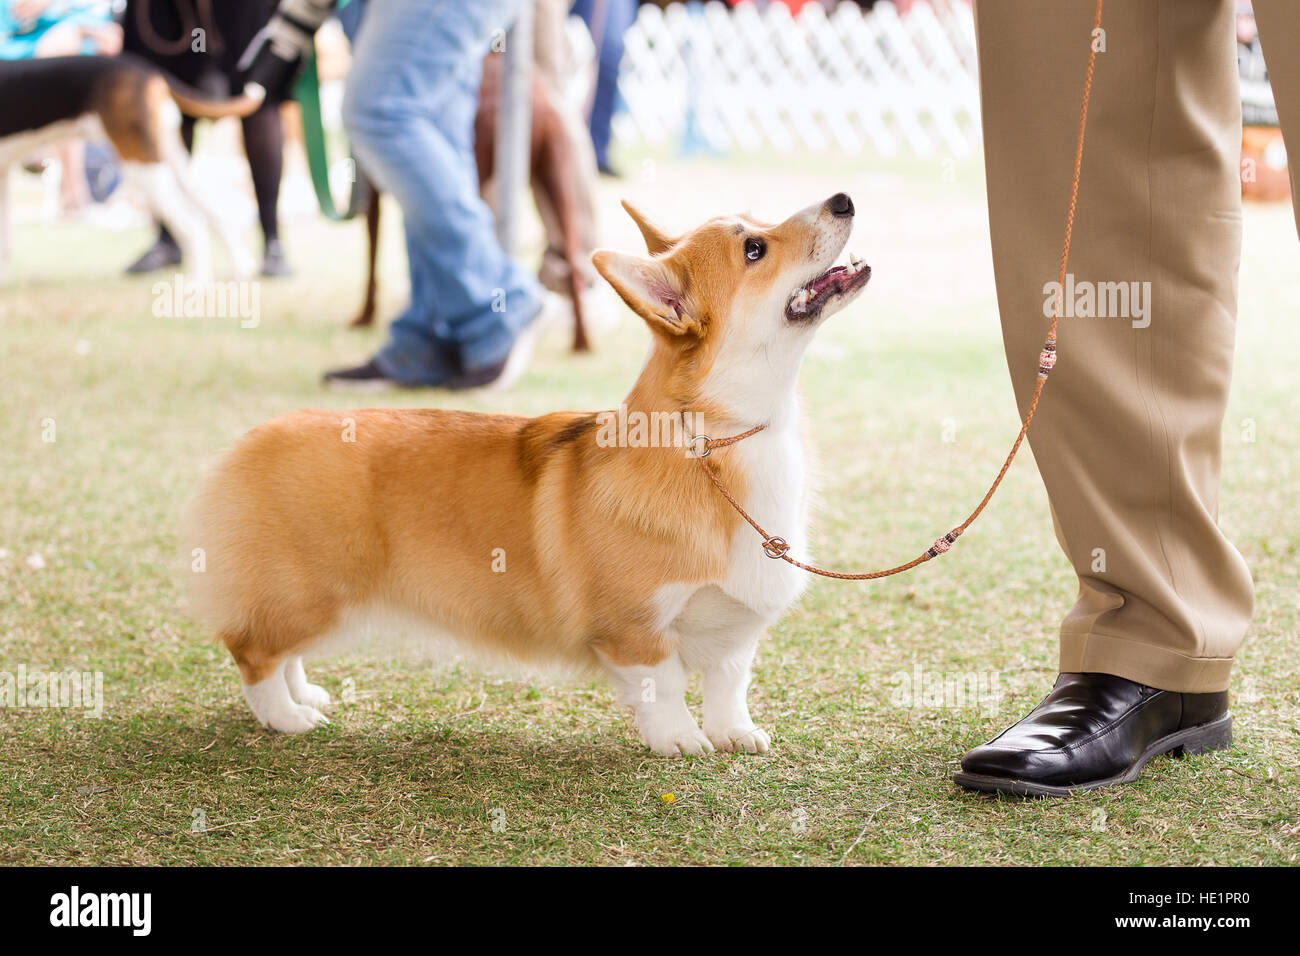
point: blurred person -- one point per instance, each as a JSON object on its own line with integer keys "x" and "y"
{"x": 163, "y": 32}
{"x": 1128, "y": 436}
{"x": 32, "y": 29}
{"x": 409, "y": 111}
{"x": 608, "y": 21}
{"x": 42, "y": 28}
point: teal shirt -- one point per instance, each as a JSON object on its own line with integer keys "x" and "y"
{"x": 18, "y": 41}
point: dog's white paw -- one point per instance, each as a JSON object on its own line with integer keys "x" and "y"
{"x": 312, "y": 695}
{"x": 752, "y": 740}
{"x": 297, "y": 719}
{"x": 680, "y": 742}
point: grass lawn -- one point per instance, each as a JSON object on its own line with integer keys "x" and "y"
{"x": 910, "y": 404}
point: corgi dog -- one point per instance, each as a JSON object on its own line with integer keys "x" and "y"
{"x": 560, "y": 538}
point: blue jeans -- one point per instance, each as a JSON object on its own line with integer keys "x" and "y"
{"x": 617, "y": 17}
{"x": 409, "y": 112}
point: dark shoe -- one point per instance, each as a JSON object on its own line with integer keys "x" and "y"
{"x": 363, "y": 378}
{"x": 479, "y": 378}
{"x": 160, "y": 255}
{"x": 1095, "y": 730}
{"x": 274, "y": 264}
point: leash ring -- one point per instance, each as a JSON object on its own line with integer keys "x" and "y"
{"x": 775, "y": 547}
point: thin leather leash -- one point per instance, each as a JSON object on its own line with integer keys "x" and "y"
{"x": 777, "y": 547}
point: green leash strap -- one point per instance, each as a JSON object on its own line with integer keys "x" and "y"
{"x": 307, "y": 93}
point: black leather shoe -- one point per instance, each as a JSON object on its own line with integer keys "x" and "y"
{"x": 1095, "y": 730}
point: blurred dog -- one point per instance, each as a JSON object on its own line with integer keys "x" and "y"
{"x": 552, "y": 167}
{"x": 572, "y": 537}
{"x": 137, "y": 108}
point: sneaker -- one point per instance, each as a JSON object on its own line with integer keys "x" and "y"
{"x": 160, "y": 255}
{"x": 274, "y": 264}
{"x": 550, "y": 314}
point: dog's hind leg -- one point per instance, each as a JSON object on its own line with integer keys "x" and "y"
{"x": 367, "y": 314}
{"x": 172, "y": 205}
{"x": 554, "y": 179}
{"x": 270, "y": 679}
{"x": 309, "y": 695}
{"x": 241, "y": 260}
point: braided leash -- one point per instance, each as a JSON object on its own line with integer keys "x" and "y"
{"x": 777, "y": 547}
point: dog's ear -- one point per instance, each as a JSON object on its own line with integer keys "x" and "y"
{"x": 650, "y": 288}
{"x": 656, "y": 240}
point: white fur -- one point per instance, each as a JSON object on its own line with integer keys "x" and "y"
{"x": 273, "y": 705}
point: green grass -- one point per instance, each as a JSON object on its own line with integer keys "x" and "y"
{"x": 424, "y": 759}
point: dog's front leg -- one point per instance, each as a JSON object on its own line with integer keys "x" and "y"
{"x": 726, "y": 709}
{"x": 657, "y": 695}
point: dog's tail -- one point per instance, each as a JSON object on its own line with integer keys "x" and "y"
{"x": 194, "y": 102}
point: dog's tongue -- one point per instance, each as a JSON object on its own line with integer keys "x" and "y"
{"x": 833, "y": 279}
{"x": 826, "y": 279}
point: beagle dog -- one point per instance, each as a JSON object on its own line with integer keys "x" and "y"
{"x": 137, "y": 108}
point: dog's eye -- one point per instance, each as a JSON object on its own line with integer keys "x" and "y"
{"x": 754, "y": 249}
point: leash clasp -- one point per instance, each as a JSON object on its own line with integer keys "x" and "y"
{"x": 696, "y": 450}
{"x": 775, "y": 547}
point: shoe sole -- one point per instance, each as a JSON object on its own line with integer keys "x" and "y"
{"x": 361, "y": 385}
{"x": 1203, "y": 738}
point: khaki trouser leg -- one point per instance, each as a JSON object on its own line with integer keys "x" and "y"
{"x": 1128, "y": 433}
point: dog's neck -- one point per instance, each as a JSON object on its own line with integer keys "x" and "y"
{"x": 720, "y": 403}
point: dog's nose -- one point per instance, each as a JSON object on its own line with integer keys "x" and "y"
{"x": 840, "y": 205}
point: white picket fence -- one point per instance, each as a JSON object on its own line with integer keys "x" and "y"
{"x": 740, "y": 79}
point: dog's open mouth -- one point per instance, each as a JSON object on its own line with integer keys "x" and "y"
{"x": 837, "y": 282}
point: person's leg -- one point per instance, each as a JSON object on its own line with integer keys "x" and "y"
{"x": 608, "y": 20}
{"x": 64, "y": 39}
{"x": 1128, "y": 433}
{"x": 409, "y": 110}
{"x": 264, "y": 146}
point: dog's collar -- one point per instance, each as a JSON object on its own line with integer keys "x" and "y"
{"x": 701, "y": 445}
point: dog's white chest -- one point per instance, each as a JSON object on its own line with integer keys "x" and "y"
{"x": 776, "y": 499}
